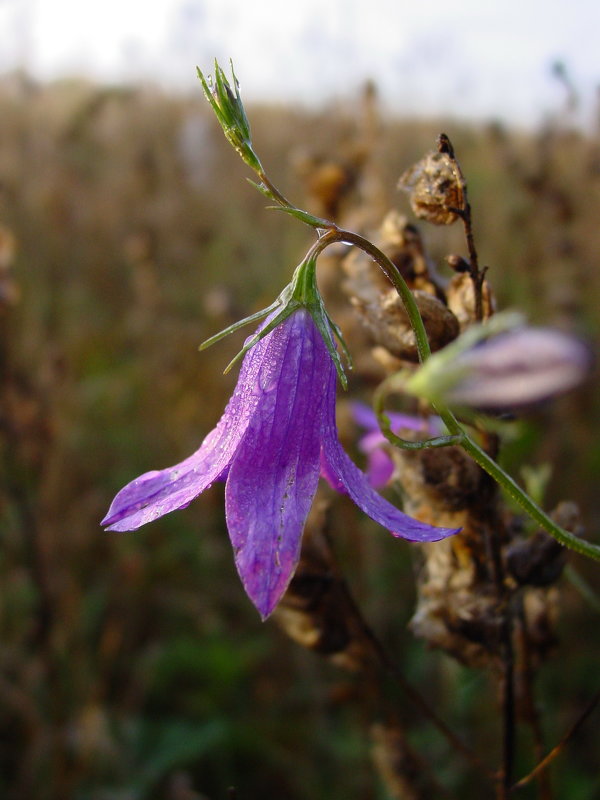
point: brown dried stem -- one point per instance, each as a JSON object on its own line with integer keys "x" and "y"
{"x": 421, "y": 704}
{"x": 558, "y": 749}
{"x": 319, "y": 612}
{"x": 507, "y": 686}
{"x": 525, "y": 677}
{"x": 492, "y": 540}
{"x": 477, "y": 275}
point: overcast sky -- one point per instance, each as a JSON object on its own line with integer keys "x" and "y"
{"x": 484, "y": 58}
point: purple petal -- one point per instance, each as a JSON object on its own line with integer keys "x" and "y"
{"x": 380, "y": 468}
{"x": 520, "y": 367}
{"x": 274, "y": 475}
{"x": 366, "y": 418}
{"x": 345, "y": 476}
{"x": 156, "y": 493}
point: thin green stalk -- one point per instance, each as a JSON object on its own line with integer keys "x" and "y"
{"x": 393, "y": 275}
{"x": 273, "y": 191}
{"x": 519, "y": 496}
{"x": 455, "y": 429}
{"x": 457, "y": 432}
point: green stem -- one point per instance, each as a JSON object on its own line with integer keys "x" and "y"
{"x": 519, "y": 496}
{"x": 455, "y": 429}
{"x": 274, "y": 191}
{"x": 231, "y": 115}
{"x": 457, "y": 433}
{"x": 393, "y": 275}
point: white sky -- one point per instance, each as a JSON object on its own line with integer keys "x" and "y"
{"x": 462, "y": 57}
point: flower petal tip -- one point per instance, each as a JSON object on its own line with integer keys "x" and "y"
{"x": 265, "y": 602}
{"x": 266, "y": 612}
{"x": 424, "y": 533}
{"x": 118, "y": 521}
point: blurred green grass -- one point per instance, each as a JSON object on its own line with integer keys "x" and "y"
{"x": 131, "y": 662}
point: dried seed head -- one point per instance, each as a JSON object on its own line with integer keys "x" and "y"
{"x": 536, "y": 561}
{"x": 380, "y": 307}
{"x": 388, "y": 322}
{"x": 458, "y": 263}
{"x": 460, "y": 295}
{"x": 434, "y": 187}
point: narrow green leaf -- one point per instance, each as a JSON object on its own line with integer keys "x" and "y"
{"x": 304, "y": 216}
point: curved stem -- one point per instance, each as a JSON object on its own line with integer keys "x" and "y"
{"x": 391, "y": 272}
{"x": 336, "y": 234}
{"x": 454, "y": 428}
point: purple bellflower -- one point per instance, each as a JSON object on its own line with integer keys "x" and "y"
{"x": 277, "y": 434}
{"x": 519, "y": 368}
{"x": 502, "y": 364}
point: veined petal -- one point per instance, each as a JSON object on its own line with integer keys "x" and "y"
{"x": 345, "y": 476}
{"x": 274, "y": 475}
{"x": 158, "y": 492}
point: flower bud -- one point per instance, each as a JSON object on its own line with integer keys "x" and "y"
{"x": 516, "y": 367}
{"x": 519, "y": 368}
{"x": 229, "y": 110}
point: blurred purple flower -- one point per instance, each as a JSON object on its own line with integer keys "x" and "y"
{"x": 518, "y": 368}
{"x": 275, "y": 436}
{"x": 373, "y": 444}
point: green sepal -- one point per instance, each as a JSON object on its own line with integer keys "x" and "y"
{"x": 338, "y": 333}
{"x": 285, "y": 312}
{"x": 325, "y": 331}
{"x": 301, "y": 292}
{"x": 210, "y": 97}
{"x": 305, "y": 291}
{"x": 237, "y": 325}
{"x": 264, "y": 190}
{"x": 235, "y": 106}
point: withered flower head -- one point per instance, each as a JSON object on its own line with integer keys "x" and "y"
{"x": 434, "y": 187}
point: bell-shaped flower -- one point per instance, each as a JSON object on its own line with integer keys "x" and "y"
{"x": 278, "y": 433}
{"x": 502, "y": 364}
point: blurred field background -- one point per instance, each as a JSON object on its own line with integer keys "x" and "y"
{"x": 132, "y": 666}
